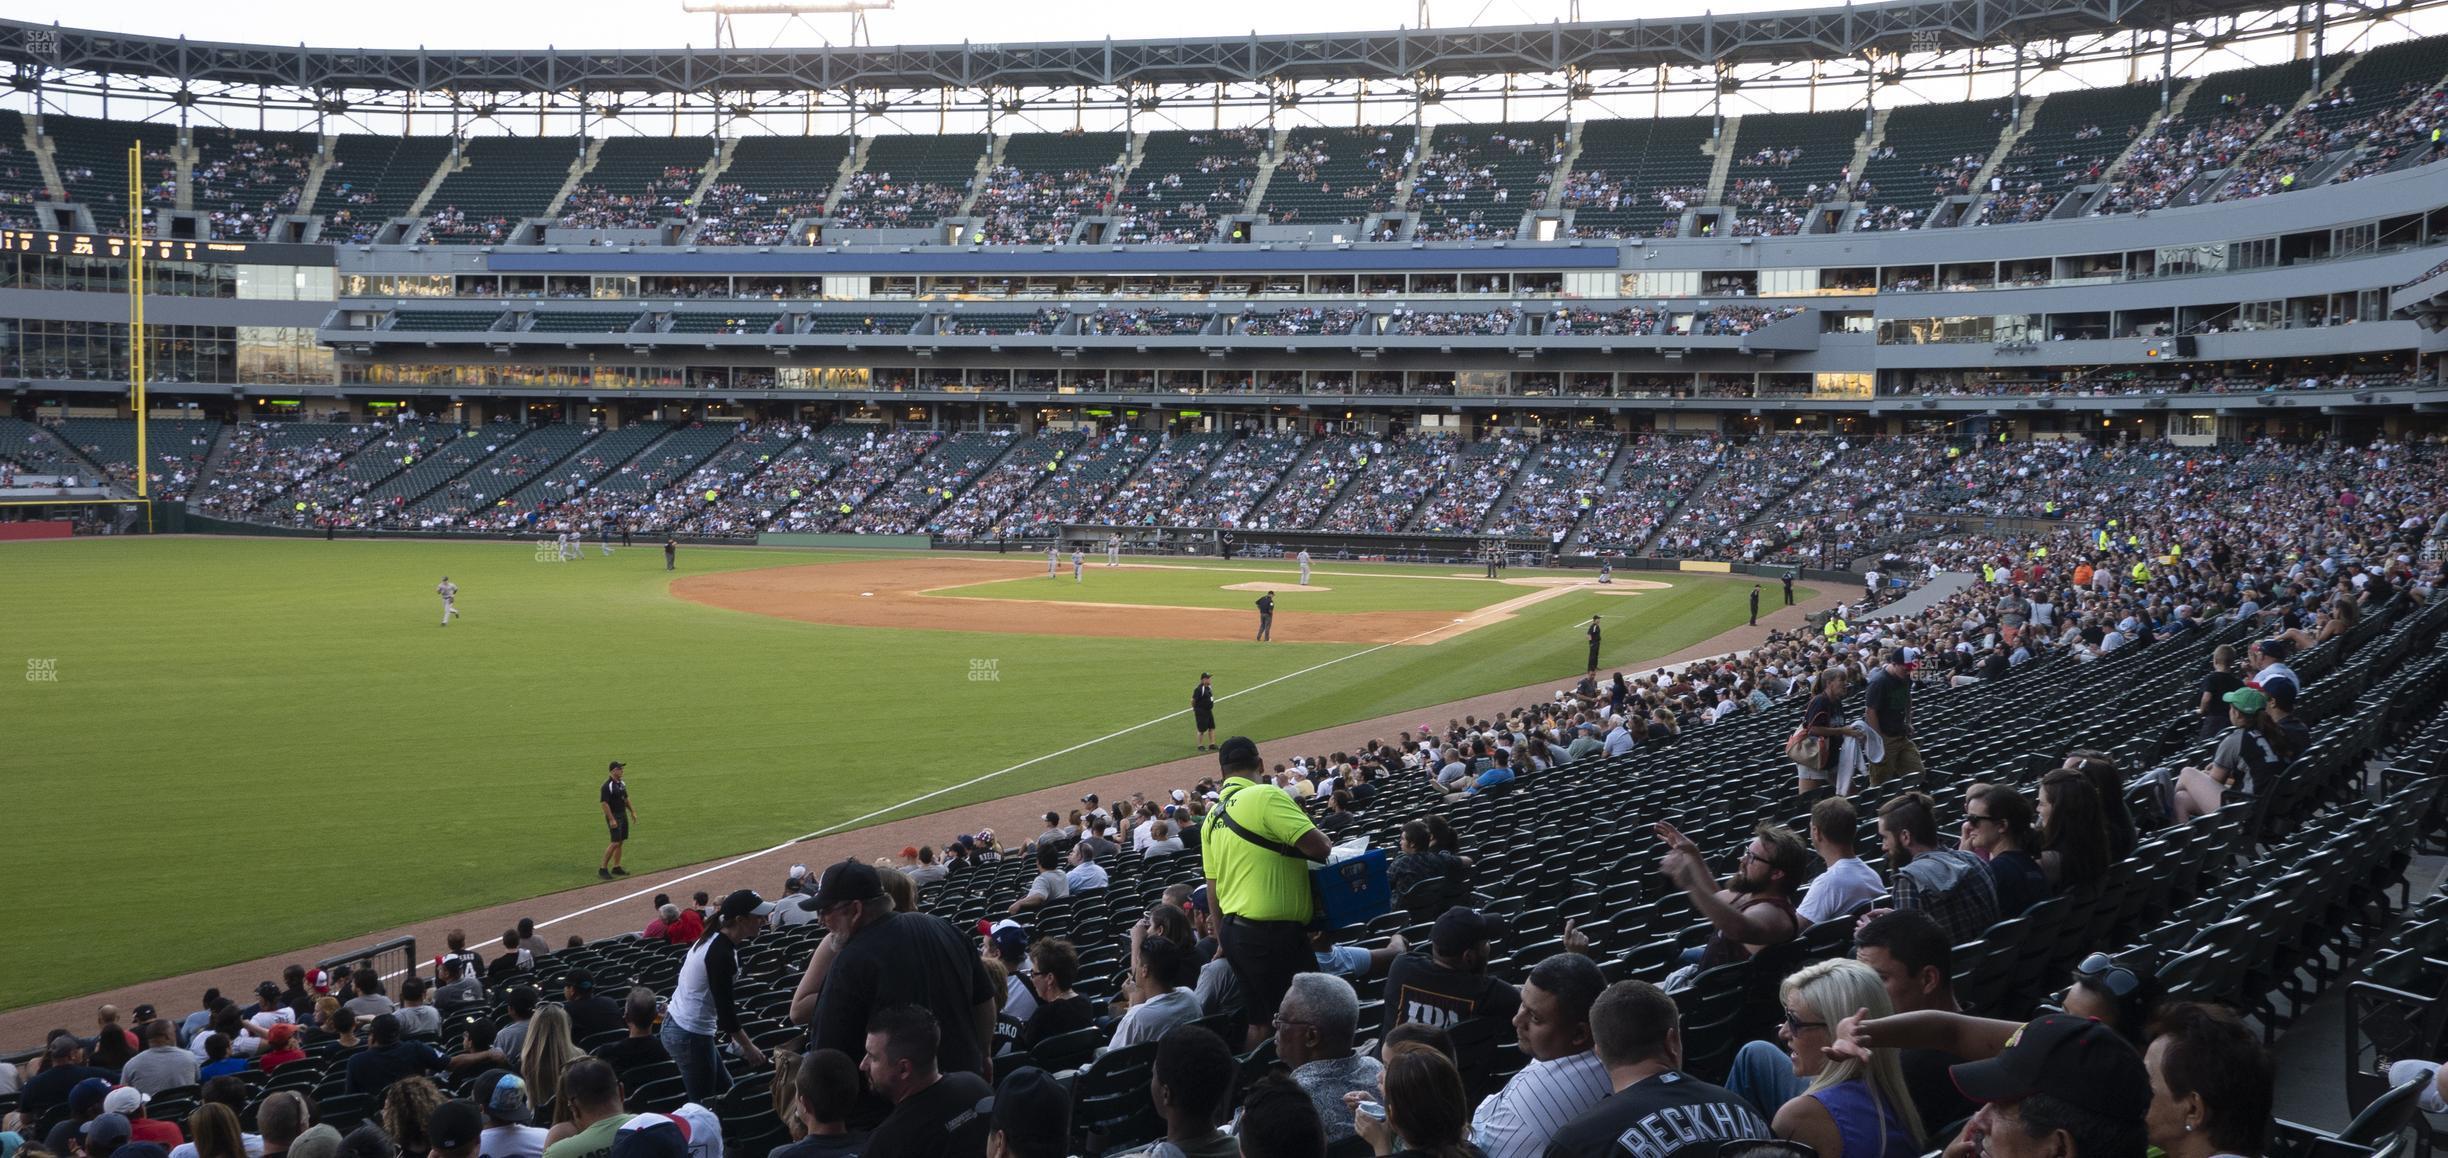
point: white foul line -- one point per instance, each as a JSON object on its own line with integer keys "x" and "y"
{"x": 1495, "y": 609}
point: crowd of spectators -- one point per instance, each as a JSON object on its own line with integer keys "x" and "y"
{"x": 732, "y": 214}
{"x": 1560, "y": 482}
{"x": 260, "y": 465}
{"x": 1467, "y": 487}
{"x": 1748, "y": 478}
{"x": 1394, "y": 482}
{"x": 1583, "y": 322}
{"x": 1015, "y": 207}
{"x": 1733, "y": 321}
{"x": 1409, "y": 322}
{"x": 873, "y": 200}
{"x": 1139, "y": 321}
{"x": 1303, "y": 320}
{"x": 853, "y": 467}
{"x": 1249, "y": 467}
{"x": 1160, "y": 212}
{"x": 1451, "y": 180}
{"x": 451, "y": 223}
{"x": 246, "y": 188}
{"x": 1153, "y": 496}
{"x": 2161, "y": 169}
{"x": 1315, "y": 480}
{"x": 912, "y": 500}
{"x": 1308, "y": 163}
{"x": 980, "y": 507}
{"x": 1658, "y": 473}
{"x": 2412, "y": 131}
{"x": 592, "y": 206}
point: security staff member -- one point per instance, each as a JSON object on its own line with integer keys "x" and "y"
{"x": 1256, "y": 847}
{"x": 1593, "y": 638}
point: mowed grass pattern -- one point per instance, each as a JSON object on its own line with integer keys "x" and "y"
{"x": 280, "y": 730}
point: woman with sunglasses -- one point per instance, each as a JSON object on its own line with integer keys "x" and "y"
{"x": 1855, "y": 1106}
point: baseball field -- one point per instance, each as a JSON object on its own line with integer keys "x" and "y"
{"x": 226, "y": 748}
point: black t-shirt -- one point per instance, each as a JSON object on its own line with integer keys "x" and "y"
{"x": 1933, "y": 1088}
{"x": 1202, "y": 700}
{"x": 594, "y": 1014}
{"x": 634, "y": 1051}
{"x": 1054, "y": 1018}
{"x": 1820, "y": 713}
{"x": 940, "y": 1121}
{"x": 1419, "y": 989}
{"x": 849, "y": 1145}
{"x": 1667, "y": 1116}
{"x": 907, "y": 959}
{"x": 1994, "y": 667}
{"x": 615, "y": 794}
{"x": 1892, "y": 697}
{"x": 1266, "y": 605}
{"x": 2218, "y": 684}
{"x": 2020, "y": 882}
{"x": 50, "y": 1087}
{"x": 372, "y": 1071}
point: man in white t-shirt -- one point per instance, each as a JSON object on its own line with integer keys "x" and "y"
{"x": 1050, "y": 885}
{"x": 508, "y": 1117}
{"x": 1163, "y": 840}
{"x": 1848, "y": 884}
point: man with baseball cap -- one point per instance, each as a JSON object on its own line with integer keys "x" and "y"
{"x": 891, "y": 958}
{"x": 453, "y": 1129}
{"x": 129, "y": 1102}
{"x": 509, "y": 1116}
{"x": 1257, "y": 847}
{"x": 1029, "y": 1116}
{"x": 2064, "y": 1087}
{"x": 704, "y": 1001}
{"x": 106, "y": 1133}
{"x": 1447, "y": 984}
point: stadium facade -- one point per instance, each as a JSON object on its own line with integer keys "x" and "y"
{"x": 2196, "y": 257}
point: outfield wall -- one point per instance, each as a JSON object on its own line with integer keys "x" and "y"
{"x": 870, "y": 542}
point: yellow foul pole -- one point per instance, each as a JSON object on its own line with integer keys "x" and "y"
{"x": 136, "y": 312}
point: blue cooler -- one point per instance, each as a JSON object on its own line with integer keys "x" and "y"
{"x": 1354, "y": 892}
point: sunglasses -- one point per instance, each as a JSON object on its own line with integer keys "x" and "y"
{"x": 2101, "y": 970}
{"x": 1795, "y": 1025}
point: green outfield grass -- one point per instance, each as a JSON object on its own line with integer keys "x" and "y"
{"x": 1334, "y": 587}
{"x": 279, "y": 729}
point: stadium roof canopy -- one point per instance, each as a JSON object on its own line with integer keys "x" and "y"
{"x": 1804, "y": 34}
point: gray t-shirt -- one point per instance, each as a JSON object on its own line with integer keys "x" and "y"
{"x": 159, "y": 1068}
{"x": 510, "y": 1038}
{"x": 1149, "y": 1019}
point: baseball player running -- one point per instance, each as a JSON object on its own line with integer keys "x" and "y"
{"x": 449, "y": 592}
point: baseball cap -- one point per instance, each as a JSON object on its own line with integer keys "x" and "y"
{"x": 1010, "y": 940}
{"x": 323, "y": 1141}
{"x": 454, "y": 1125}
{"x": 105, "y": 1130}
{"x": 267, "y": 989}
{"x": 909, "y": 852}
{"x": 1461, "y": 928}
{"x": 844, "y": 882}
{"x": 2073, "y": 1058}
{"x": 746, "y": 903}
{"x": 651, "y": 1136}
{"x": 1032, "y": 1111}
{"x": 1238, "y": 752}
{"x": 2247, "y": 700}
{"x": 504, "y": 1097}
{"x": 319, "y": 981}
{"x": 1198, "y": 902}
{"x": 615, "y": 764}
{"x": 86, "y": 1096}
{"x": 124, "y": 1100}
{"x": 279, "y": 1036}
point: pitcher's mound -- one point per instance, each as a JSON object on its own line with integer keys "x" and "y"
{"x": 1266, "y": 587}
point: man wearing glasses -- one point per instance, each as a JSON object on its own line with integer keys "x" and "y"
{"x": 1755, "y": 907}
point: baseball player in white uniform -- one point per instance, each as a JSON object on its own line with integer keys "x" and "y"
{"x": 1304, "y": 564}
{"x": 1053, "y": 559}
{"x": 1079, "y": 558}
{"x": 449, "y": 592}
{"x": 1113, "y": 549}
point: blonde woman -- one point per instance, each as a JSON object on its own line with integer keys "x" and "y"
{"x": 547, "y": 1051}
{"x": 1852, "y": 1108}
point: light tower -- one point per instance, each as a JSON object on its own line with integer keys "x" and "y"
{"x": 726, "y": 13}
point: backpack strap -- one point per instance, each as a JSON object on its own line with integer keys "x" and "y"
{"x": 1223, "y": 816}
